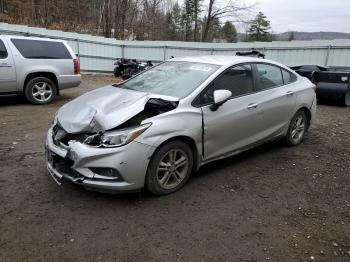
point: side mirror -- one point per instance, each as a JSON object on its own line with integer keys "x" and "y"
{"x": 220, "y": 98}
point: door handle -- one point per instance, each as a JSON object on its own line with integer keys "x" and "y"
{"x": 5, "y": 65}
{"x": 253, "y": 105}
{"x": 290, "y": 93}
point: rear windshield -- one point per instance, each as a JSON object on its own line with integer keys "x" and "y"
{"x": 36, "y": 49}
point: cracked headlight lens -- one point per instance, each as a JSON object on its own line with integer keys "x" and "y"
{"x": 122, "y": 137}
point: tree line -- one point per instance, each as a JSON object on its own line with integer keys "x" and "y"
{"x": 192, "y": 20}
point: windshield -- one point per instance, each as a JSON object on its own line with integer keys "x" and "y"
{"x": 173, "y": 78}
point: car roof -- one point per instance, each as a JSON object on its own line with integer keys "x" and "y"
{"x": 31, "y": 38}
{"x": 223, "y": 60}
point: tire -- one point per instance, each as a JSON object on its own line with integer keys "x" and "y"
{"x": 127, "y": 73}
{"x": 163, "y": 177}
{"x": 117, "y": 72}
{"x": 40, "y": 91}
{"x": 297, "y": 129}
{"x": 347, "y": 98}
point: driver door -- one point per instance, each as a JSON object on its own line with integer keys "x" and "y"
{"x": 232, "y": 126}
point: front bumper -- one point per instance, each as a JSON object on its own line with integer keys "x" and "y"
{"x": 74, "y": 163}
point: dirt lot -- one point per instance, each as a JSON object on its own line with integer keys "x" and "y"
{"x": 272, "y": 203}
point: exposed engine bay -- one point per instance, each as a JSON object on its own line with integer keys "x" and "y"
{"x": 153, "y": 107}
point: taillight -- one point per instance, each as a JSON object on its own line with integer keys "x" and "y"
{"x": 76, "y": 66}
{"x": 314, "y": 87}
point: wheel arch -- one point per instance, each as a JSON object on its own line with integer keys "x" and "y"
{"x": 188, "y": 141}
{"x": 48, "y": 75}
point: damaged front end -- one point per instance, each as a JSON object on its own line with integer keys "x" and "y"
{"x": 120, "y": 135}
{"x": 104, "y": 159}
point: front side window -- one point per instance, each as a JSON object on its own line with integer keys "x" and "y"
{"x": 36, "y": 49}
{"x": 172, "y": 78}
{"x": 3, "y": 51}
{"x": 269, "y": 76}
{"x": 237, "y": 79}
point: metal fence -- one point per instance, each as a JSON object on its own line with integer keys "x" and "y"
{"x": 97, "y": 54}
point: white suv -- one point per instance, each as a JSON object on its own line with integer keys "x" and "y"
{"x": 37, "y": 67}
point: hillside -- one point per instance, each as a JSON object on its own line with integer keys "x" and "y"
{"x": 286, "y": 36}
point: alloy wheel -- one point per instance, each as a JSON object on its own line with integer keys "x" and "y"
{"x": 172, "y": 168}
{"x": 298, "y": 129}
{"x": 42, "y": 91}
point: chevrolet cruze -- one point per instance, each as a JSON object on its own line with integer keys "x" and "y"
{"x": 160, "y": 126}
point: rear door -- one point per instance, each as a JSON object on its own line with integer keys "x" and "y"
{"x": 276, "y": 99}
{"x": 7, "y": 69}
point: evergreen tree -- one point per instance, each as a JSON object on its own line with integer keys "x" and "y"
{"x": 216, "y": 28}
{"x": 196, "y": 16}
{"x": 188, "y": 18}
{"x": 258, "y": 30}
{"x": 174, "y": 23}
{"x": 229, "y": 32}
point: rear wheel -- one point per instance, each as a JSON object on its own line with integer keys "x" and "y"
{"x": 170, "y": 168}
{"x": 297, "y": 129}
{"x": 40, "y": 91}
{"x": 347, "y": 98}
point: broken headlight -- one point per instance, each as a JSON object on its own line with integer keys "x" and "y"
{"x": 119, "y": 137}
{"x": 122, "y": 137}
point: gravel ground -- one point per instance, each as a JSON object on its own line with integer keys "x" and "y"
{"x": 272, "y": 203}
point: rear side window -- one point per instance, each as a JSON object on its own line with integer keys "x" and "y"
{"x": 288, "y": 77}
{"x": 3, "y": 51}
{"x": 36, "y": 49}
{"x": 269, "y": 76}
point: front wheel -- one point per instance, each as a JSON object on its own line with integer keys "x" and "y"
{"x": 297, "y": 129}
{"x": 40, "y": 91}
{"x": 170, "y": 168}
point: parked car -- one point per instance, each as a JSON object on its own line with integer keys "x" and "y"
{"x": 157, "y": 128}
{"x": 126, "y": 68}
{"x": 332, "y": 82}
{"x": 37, "y": 68}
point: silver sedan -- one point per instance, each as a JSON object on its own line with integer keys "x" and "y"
{"x": 160, "y": 126}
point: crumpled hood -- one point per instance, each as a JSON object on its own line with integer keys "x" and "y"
{"x": 103, "y": 109}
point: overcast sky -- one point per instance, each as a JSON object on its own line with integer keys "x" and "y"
{"x": 306, "y": 15}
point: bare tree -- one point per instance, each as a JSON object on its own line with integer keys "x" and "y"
{"x": 217, "y": 9}
{"x": 145, "y": 19}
